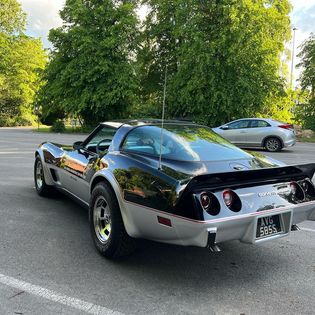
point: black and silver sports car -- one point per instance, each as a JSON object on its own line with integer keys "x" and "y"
{"x": 181, "y": 184}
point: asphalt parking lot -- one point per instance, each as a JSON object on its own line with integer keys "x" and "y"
{"x": 48, "y": 264}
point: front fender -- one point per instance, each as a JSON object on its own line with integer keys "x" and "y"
{"x": 47, "y": 174}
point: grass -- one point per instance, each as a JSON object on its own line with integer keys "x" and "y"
{"x": 304, "y": 139}
{"x": 69, "y": 129}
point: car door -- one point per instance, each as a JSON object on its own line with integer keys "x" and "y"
{"x": 236, "y": 131}
{"x": 257, "y": 131}
{"x": 81, "y": 164}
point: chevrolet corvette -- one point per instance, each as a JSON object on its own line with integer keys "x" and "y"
{"x": 174, "y": 182}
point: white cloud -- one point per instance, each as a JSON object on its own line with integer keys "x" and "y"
{"x": 305, "y": 18}
{"x": 142, "y": 12}
{"x": 42, "y": 15}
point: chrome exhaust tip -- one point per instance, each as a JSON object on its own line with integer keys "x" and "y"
{"x": 214, "y": 248}
{"x": 211, "y": 245}
{"x": 295, "y": 227}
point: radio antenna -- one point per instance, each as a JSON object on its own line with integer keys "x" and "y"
{"x": 162, "y": 122}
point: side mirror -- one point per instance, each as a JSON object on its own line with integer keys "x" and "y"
{"x": 77, "y": 145}
{"x": 225, "y": 127}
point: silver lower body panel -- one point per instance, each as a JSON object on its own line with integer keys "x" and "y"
{"x": 143, "y": 223}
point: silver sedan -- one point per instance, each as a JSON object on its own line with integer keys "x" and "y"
{"x": 256, "y": 132}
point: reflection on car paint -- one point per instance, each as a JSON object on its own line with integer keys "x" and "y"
{"x": 142, "y": 183}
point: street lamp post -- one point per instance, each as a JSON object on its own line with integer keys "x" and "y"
{"x": 292, "y": 58}
{"x": 37, "y": 113}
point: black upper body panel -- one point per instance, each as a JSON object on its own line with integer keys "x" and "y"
{"x": 134, "y": 162}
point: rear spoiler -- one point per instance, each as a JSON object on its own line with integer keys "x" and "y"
{"x": 245, "y": 178}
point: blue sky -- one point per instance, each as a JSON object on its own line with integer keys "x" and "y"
{"x": 43, "y": 15}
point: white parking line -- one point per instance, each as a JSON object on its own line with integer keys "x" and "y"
{"x": 17, "y": 152}
{"x": 10, "y": 148}
{"x": 78, "y": 304}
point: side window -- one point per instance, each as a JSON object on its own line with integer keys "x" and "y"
{"x": 141, "y": 140}
{"x": 239, "y": 124}
{"x": 146, "y": 139}
{"x": 105, "y": 135}
{"x": 259, "y": 124}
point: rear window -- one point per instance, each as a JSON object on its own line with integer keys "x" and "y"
{"x": 182, "y": 142}
{"x": 259, "y": 124}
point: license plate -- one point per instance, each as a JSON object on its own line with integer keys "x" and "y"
{"x": 268, "y": 226}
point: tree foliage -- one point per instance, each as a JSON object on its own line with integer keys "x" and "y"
{"x": 223, "y": 57}
{"x": 307, "y": 55}
{"x": 91, "y": 72}
{"x": 306, "y": 111}
{"x": 12, "y": 18}
{"x": 279, "y": 106}
{"x": 21, "y": 60}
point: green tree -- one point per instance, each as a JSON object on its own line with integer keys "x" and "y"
{"x": 12, "y": 18}
{"x": 22, "y": 58}
{"x": 280, "y": 106}
{"x": 307, "y": 54}
{"x": 306, "y": 111}
{"x": 223, "y": 56}
{"x": 91, "y": 72}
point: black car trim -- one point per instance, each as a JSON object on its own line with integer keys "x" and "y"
{"x": 256, "y": 176}
{"x": 232, "y": 217}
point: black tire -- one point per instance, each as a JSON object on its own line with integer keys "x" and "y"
{"x": 106, "y": 225}
{"x": 42, "y": 189}
{"x": 273, "y": 144}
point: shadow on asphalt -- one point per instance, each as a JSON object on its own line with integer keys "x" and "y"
{"x": 156, "y": 264}
{"x": 262, "y": 151}
{"x": 189, "y": 264}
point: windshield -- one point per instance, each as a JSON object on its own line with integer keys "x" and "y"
{"x": 183, "y": 143}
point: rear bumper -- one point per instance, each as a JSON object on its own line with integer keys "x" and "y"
{"x": 240, "y": 227}
{"x": 243, "y": 227}
{"x": 291, "y": 141}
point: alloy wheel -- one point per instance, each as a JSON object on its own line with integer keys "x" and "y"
{"x": 102, "y": 219}
{"x": 273, "y": 145}
{"x": 39, "y": 175}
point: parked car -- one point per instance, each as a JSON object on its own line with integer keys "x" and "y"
{"x": 257, "y": 132}
{"x": 182, "y": 184}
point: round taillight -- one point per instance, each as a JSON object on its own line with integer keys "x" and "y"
{"x": 228, "y": 197}
{"x": 209, "y": 203}
{"x": 308, "y": 188}
{"x": 205, "y": 200}
{"x": 294, "y": 188}
{"x": 296, "y": 191}
{"x": 232, "y": 200}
